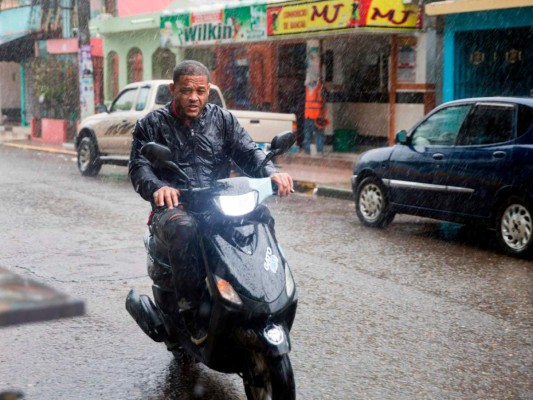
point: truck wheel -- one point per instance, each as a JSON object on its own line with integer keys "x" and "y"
{"x": 514, "y": 227}
{"x": 372, "y": 203}
{"x": 88, "y": 162}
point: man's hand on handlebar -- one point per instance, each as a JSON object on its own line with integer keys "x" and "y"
{"x": 168, "y": 196}
{"x": 284, "y": 183}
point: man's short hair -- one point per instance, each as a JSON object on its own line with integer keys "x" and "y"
{"x": 190, "y": 67}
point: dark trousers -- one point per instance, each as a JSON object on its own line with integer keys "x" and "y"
{"x": 176, "y": 243}
{"x": 176, "y": 239}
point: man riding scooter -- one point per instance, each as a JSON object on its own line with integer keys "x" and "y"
{"x": 204, "y": 139}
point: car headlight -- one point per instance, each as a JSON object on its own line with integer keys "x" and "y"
{"x": 226, "y": 291}
{"x": 238, "y": 205}
{"x": 289, "y": 281}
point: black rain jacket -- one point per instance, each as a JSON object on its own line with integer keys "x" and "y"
{"x": 204, "y": 150}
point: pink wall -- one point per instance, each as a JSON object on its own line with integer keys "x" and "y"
{"x": 134, "y": 7}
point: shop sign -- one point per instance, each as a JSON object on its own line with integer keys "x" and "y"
{"x": 407, "y": 58}
{"x": 303, "y": 17}
{"x": 393, "y": 14}
{"x": 227, "y": 25}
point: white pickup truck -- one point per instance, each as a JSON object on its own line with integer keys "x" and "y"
{"x": 105, "y": 138}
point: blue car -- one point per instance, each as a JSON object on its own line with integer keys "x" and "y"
{"x": 468, "y": 161}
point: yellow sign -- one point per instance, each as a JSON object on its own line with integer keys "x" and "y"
{"x": 312, "y": 16}
{"x": 299, "y": 17}
{"x": 393, "y": 14}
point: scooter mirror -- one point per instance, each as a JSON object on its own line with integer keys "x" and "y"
{"x": 156, "y": 153}
{"x": 282, "y": 142}
{"x": 161, "y": 156}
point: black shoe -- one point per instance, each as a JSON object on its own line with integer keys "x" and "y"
{"x": 146, "y": 314}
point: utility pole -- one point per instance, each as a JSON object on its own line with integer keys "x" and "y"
{"x": 85, "y": 62}
{"x": 84, "y": 14}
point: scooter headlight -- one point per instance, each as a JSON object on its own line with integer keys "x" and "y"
{"x": 226, "y": 291}
{"x": 289, "y": 282}
{"x": 238, "y": 205}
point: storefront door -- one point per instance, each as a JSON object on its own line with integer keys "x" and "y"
{"x": 494, "y": 63}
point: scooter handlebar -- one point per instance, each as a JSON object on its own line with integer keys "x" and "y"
{"x": 275, "y": 189}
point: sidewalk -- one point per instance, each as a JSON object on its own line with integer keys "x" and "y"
{"x": 322, "y": 175}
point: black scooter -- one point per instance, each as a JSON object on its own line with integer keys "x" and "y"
{"x": 250, "y": 294}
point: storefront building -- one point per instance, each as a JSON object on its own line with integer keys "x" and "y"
{"x": 17, "y": 26}
{"x": 376, "y": 57}
{"x": 488, "y": 47}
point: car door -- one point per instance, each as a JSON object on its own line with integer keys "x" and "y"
{"x": 480, "y": 163}
{"x": 117, "y": 125}
{"x": 417, "y": 168}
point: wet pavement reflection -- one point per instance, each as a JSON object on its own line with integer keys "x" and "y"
{"x": 420, "y": 310}
{"x": 190, "y": 381}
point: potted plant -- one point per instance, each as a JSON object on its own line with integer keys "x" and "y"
{"x": 56, "y": 98}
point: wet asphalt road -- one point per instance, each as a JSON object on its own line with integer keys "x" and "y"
{"x": 422, "y": 310}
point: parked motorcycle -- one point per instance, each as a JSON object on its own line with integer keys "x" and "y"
{"x": 250, "y": 296}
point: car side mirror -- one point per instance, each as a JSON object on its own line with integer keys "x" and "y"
{"x": 401, "y": 137}
{"x": 101, "y": 108}
{"x": 282, "y": 142}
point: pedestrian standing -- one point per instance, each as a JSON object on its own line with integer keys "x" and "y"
{"x": 315, "y": 116}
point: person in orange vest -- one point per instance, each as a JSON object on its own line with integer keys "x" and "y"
{"x": 315, "y": 116}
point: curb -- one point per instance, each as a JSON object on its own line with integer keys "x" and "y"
{"x": 342, "y": 194}
{"x": 311, "y": 188}
{"x": 304, "y": 187}
{"x": 40, "y": 148}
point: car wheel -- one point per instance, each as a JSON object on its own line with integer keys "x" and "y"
{"x": 514, "y": 227}
{"x": 88, "y": 162}
{"x": 372, "y": 204}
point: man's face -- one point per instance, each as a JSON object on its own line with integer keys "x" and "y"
{"x": 191, "y": 93}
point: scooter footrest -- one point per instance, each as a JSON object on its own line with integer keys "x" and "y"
{"x": 146, "y": 314}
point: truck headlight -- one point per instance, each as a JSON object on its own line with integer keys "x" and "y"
{"x": 235, "y": 206}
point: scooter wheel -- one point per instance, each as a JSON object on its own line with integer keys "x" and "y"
{"x": 182, "y": 357}
{"x": 269, "y": 378}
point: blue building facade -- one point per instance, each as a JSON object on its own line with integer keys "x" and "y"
{"x": 488, "y": 53}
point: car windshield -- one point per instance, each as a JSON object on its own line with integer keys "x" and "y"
{"x": 124, "y": 101}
